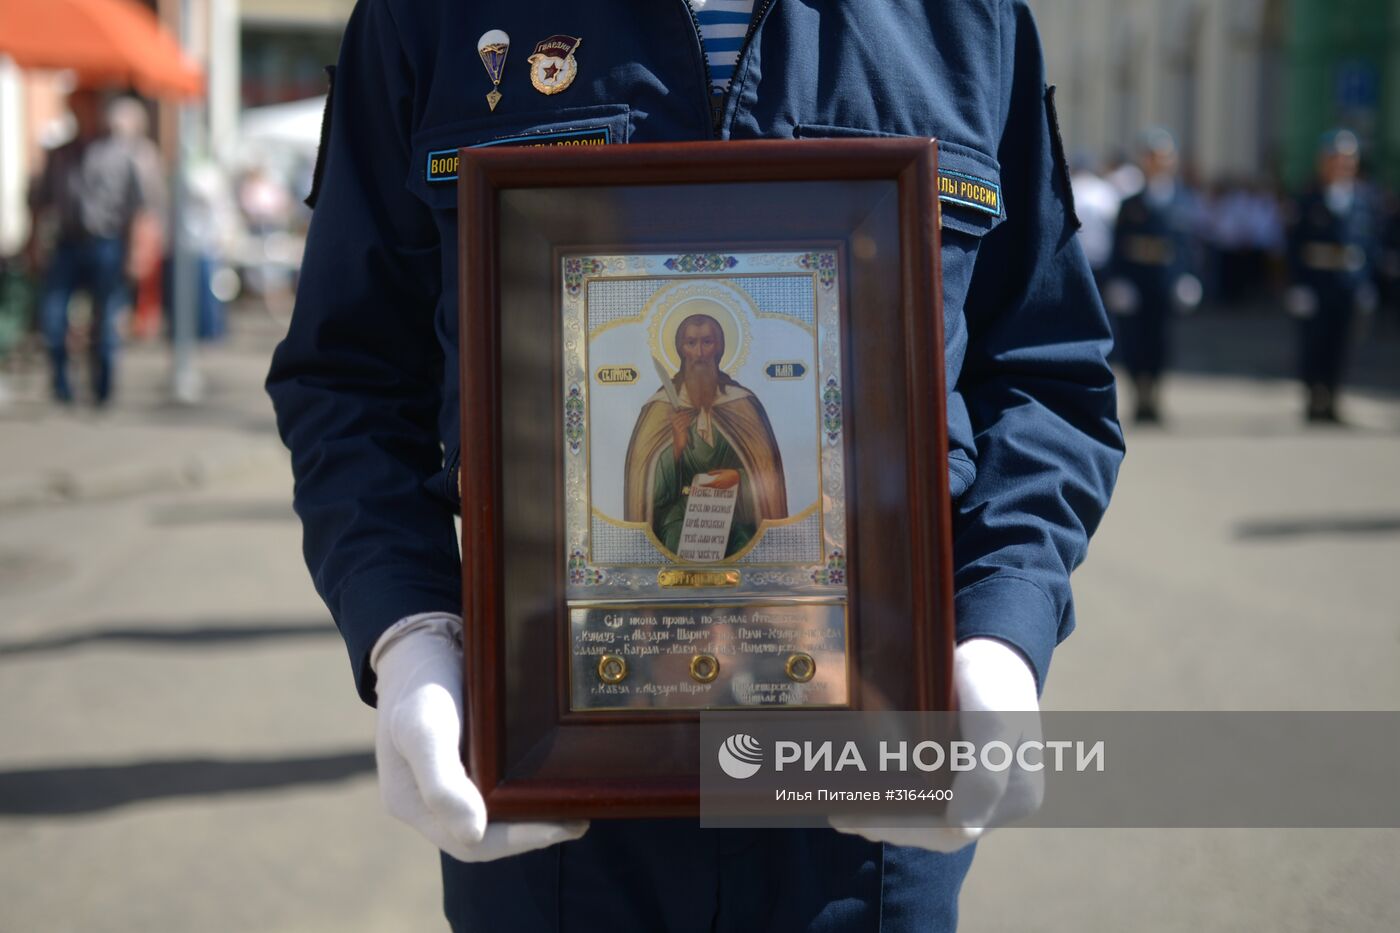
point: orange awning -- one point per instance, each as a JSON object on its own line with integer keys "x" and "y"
{"x": 104, "y": 41}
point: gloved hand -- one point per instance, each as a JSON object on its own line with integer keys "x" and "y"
{"x": 1121, "y": 297}
{"x": 1300, "y": 301}
{"x": 996, "y": 701}
{"x": 1188, "y": 292}
{"x": 421, "y": 778}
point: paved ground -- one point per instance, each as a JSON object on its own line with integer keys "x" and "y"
{"x": 1245, "y": 564}
{"x": 145, "y": 441}
{"x": 181, "y": 748}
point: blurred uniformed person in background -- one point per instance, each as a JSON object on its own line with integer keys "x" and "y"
{"x": 1331, "y": 251}
{"x": 1389, "y": 272}
{"x": 1150, "y": 273}
{"x": 366, "y": 391}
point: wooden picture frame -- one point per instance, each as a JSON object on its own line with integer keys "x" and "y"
{"x": 875, "y": 202}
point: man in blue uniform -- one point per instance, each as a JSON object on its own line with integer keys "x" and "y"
{"x": 1331, "y": 245}
{"x": 1150, "y": 274}
{"x": 1389, "y": 262}
{"x": 365, "y": 387}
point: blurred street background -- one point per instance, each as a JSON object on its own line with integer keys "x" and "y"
{"x": 181, "y": 747}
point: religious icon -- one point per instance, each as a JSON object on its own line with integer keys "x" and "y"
{"x": 702, "y": 408}
{"x": 704, "y": 467}
{"x": 703, "y": 429}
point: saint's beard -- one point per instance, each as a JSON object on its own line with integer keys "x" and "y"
{"x": 701, "y": 382}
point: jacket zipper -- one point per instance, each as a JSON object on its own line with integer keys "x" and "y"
{"x": 719, "y": 103}
{"x": 705, "y": 65}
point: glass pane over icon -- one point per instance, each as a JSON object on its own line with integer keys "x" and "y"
{"x": 704, "y": 469}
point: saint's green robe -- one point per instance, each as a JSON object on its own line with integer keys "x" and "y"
{"x": 672, "y": 488}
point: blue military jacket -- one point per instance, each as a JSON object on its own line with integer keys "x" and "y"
{"x": 1332, "y": 253}
{"x": 1152, "y": 244}
{"x": 365, "y": 383}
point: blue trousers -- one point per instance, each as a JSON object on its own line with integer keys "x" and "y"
{"x": 96, "y": 265}
{"x": 1143, "y": 339}
{"x": 670, "y": 876}
{"x": 1323, "y": 339}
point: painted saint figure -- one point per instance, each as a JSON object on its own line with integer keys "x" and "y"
{"x": 703, "y": 423}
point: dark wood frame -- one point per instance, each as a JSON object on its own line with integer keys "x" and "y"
{"x": 911, "y": 661}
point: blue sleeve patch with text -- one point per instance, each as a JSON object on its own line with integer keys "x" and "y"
{"x": 969, "y": 191}
{"x": 442, "y": 163}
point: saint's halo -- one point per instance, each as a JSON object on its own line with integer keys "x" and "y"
{"x": 731, "y": 308}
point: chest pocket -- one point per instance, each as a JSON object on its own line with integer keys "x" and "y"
{"x": 969, "y": 182}
{"x": 432, "y": 173}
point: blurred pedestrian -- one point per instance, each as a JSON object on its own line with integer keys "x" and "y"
{"x": 90, "y": 194}
{"x": 1151, "y": 270}
{"x": 130, "y": 123}
{"x": 1246, "y": 231}
{"x": 1331, "y": 246}
{"x": 1124, "y": 175}
{"x": 1096, "y": 201}
{"x": 210, "y": 228}
{"x": 1389, "y": 272}
{"x": 266, "y": 203}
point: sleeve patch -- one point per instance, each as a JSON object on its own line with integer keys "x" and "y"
{"x": 442, "y": 163}
{"x": 980, "y": 194}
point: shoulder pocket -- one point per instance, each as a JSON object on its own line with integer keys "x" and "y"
{"x": 432, "y": 173}
{"x": 969, "y": 182}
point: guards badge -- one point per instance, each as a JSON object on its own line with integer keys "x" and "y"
{"x": 552, "y": 67}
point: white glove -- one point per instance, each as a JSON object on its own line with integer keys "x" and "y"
{"x": 1121, "y": 297}
{"x": 421, "y": 778}
{"x": 1189, "y": 291}
{"x": 996, "y": 696}
{"x": 1300, "y": 301}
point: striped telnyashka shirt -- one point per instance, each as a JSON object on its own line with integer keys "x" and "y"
{"x": 723, "y": 25}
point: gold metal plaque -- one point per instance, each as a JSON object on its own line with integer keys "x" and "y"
{"x": 666, "y": 652}
{"x": 698, "y": 579}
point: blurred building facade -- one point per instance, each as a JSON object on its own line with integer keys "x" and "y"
{"x": 286, "y": 45}
{"x": 1246, "y": 85}
{"x": 257, "y": 52}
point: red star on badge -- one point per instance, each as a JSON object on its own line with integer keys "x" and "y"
{"x": 551, "y": 70}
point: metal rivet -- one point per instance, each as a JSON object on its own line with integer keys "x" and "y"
{"x": 611, "y": 669}
{"x": 800, "y": 667}
{"x": 704, "y": 668}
